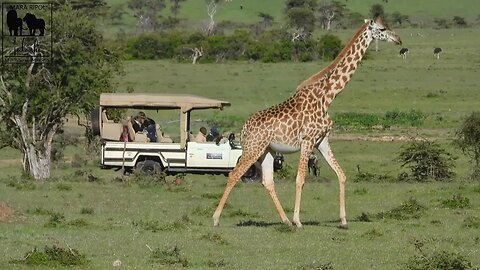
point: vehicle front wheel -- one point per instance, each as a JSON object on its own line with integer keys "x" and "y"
{"x": 148, "y": 167}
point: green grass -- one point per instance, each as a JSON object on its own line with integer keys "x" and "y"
{"x": 111, "y": 233}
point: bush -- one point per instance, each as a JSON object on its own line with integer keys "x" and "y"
{"x": 329, "y": 47}
{"x": 459, "y": 21}
{"x": 169, "y": 256}
{"x": 426, "y": 160}
{"x": 442, "y": 260}
{"x": 468, "y": 140}
{"x": 52, "y": 257}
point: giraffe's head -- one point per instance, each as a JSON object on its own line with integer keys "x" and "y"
{"x": 380, "y": 30}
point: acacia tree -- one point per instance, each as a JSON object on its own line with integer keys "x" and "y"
{"x": 330, "y": 11}
{"x": 300, "y": 18}
{"x": 36, "y": 97}
{"x": 146, "y": 12}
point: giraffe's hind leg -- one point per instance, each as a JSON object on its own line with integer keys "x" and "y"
{"x": 324, "y": 148}
{"x": 268, "y": 183}
{"x": 243, "y": 165}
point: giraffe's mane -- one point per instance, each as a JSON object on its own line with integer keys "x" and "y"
{"x": 319, "y": 76}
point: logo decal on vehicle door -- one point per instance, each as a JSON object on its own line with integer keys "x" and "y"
{"x": 214, "y": 156}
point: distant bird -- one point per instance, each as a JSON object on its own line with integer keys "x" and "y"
{"x": 403, "y": 52}
{"x": 436, "y": 52}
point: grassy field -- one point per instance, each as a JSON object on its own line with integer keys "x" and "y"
{"x": 123, "y": 219}
{"x": 106, "y": 219}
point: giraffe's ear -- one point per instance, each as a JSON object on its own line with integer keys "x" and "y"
{"x": 368, "y": 21}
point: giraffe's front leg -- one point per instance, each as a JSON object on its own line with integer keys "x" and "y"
{"x": 302, "y": 167}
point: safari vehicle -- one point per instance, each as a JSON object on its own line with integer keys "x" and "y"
{"x": 183, "y": 156}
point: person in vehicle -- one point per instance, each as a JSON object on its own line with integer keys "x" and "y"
{"x": 201, "y": 136}
{"x": 141, "y": 123}
{"x": 138, "y": 122}
{"x": 213, "y": 135}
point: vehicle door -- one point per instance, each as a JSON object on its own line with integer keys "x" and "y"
{"x": 208, "y": 155}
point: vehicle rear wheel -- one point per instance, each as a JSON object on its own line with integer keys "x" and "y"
{"x": 148, "y": 167}
{"x": 95, "y": 118}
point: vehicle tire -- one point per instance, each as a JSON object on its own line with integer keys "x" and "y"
{"x": 95, "y": 117}
{"x": 148, "y": 167}
{"x": 253, "y": 174}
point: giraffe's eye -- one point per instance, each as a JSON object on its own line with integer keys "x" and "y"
{"x": 382, "y": 29}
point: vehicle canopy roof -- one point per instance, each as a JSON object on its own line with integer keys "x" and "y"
{"x": 160, "y": 101}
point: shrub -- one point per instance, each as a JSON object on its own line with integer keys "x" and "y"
{"x": 468, "y": 140}
{"x": 52, "y": 257}
{"x": 169, "y": 256}
{"x": 317, "y": 266}
{"x": 459, "y": 21}
{"x": 442, "y": 260}
{"x": 457, "y": 201}
{"x": 426, "y": 160}
{"x": 329, "y": 46}
{"x": 372, "y": 177}
{"x": 407, "y": 210}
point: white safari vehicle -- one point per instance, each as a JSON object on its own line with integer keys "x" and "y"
{"x": 184, "y": 156}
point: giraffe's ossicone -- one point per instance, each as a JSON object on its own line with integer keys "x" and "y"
{"x": 301, "y": 123}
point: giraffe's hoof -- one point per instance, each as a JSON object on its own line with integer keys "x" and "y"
{"x": 287, "y": 222}
{"x": 298, "y": 223}
{"x": 343, "y": 226}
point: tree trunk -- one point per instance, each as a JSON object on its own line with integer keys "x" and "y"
{"x": 36, "y": 145}
{"x": 39, "y": 162}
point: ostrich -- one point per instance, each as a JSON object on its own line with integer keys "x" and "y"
{"x": 403, "y": 52}
{"x": 436, "y": 52}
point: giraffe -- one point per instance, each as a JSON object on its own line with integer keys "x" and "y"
{"x": 301, "y": 123}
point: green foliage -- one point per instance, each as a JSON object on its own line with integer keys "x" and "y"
{"x": 410, "y": 209}
{"x": 441, "y": 23}
{"x": 286, "y": 172}
{"x": 169, "y": 256}
{"x": 426, "y": 160}
{"x": 52, "y": 257}
{"x": 317, "y": 266}
{"x": 214, "y": 238}
{"x": 329, "y": 46}
{"x": 156, "y": 226}
{"x": 457, "y": 201}
{"x": 21, "y": 183}
{"x": 268, "y": 46}
{"x": 437, "y": 260}
{"x": 467, "y": 138}
{"x": 459, "y": 21}
{"x": 87, "y": 211}
{"x": 373, "y": 177}
{"x": 55, "y": 220}
{"x": 356, "y": 120}
{"x": 64, "y": 187}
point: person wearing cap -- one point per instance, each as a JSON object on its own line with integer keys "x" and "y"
{"x": 213, "y": 135}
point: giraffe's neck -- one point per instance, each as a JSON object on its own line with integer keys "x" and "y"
{"x": 329, "y": 82}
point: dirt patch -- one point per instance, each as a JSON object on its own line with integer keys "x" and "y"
{"x": 6, "y": 212}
